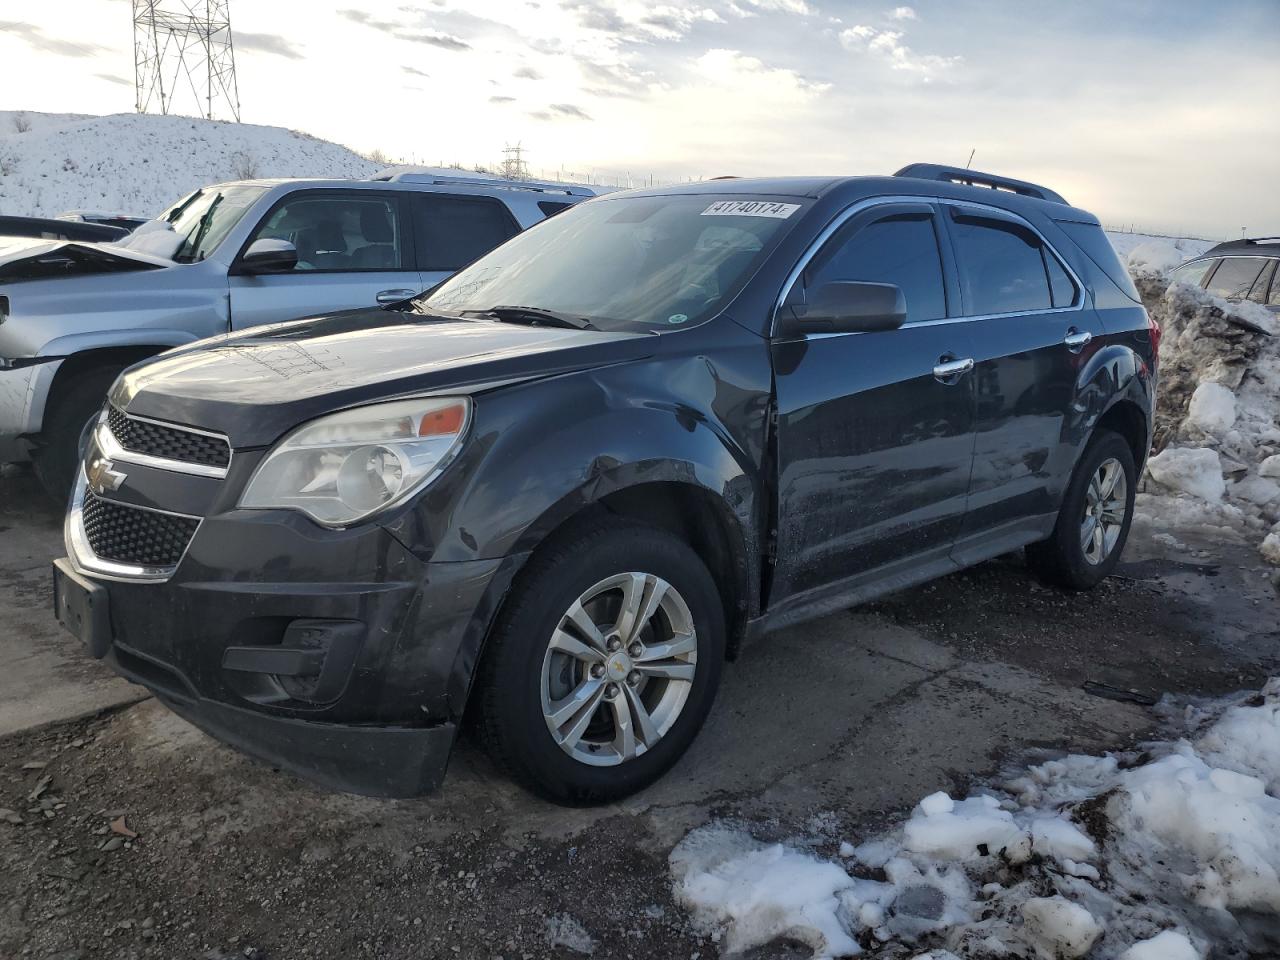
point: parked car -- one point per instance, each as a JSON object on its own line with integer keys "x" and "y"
{"x": 124, "y": 221}
{"x": 226, "y": 257}
{"x": 559, "y": 491}
{"x": 42, "y": 228}
{"x": 1237, "y": 270}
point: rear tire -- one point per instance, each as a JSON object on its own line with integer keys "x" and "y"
{"x": 645, "y": 682}
{"x": 1093, "y": 523}
{"x": 67, "y": 424}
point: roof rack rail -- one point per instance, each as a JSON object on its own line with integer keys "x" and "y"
{"x": 975, "y": 178}
{"x": 534, "y": 186}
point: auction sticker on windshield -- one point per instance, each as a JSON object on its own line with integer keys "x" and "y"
{"x": 750, "y": 208}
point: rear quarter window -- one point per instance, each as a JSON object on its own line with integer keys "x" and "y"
{"x": 1090, "y": 239}
{"x": 1192, "y": 273}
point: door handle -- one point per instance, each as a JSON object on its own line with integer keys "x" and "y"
{"x": 1077, "y": 340}
{"x": 395, "y": 296}
{"x": 949, "y": 371}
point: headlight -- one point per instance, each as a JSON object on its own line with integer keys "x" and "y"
{"x": 350, "y": 465}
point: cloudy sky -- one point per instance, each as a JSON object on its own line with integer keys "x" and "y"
{"x": 1157, "y": 114}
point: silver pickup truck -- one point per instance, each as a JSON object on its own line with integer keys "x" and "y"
{"x": 234, "y": 255}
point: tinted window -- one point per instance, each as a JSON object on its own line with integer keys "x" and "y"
{"x": 1090, "y": 238}
{"x": 901, "y": 250}
{"x": 1192, "y": 273}
{"x": 1259, "y": 292}
{"x": 334, "y": 232}
{"x": 1001, "y": 267}
{"x": 453, "y": 231}
{"x": 1274, "y": 298}
{"x": 1233, "y": 279}
{"x": 1061, "y": 286}
{"x": 550, "y": 208}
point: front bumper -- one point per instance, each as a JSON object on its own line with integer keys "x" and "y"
{"x": 339, "y": 656}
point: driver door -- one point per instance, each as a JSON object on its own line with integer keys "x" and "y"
{"x": 874, "y": 435}
{"x": 354, "y": 250}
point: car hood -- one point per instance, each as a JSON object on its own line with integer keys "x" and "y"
{"x": 24, "y": 258}
{"x": 257, "y": 384}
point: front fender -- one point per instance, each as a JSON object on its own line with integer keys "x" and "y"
{"x": 161, "y": 338}
{"x": 543, "y": 451}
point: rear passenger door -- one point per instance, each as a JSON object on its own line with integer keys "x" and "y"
{"x": 1031, "y": 334}
{"x": 354, "y": 247}
{"x": 454, "y": 229}
{"x": 874, "y": 430}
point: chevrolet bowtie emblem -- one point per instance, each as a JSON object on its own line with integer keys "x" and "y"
{"x": 102, "y": 477}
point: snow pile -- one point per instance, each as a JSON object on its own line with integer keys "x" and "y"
{"x": 1217, "y": 411}
{"x": 140, "y": 163}
{"x": 1143, "y": 252}
{"x": 1158, "y": 855}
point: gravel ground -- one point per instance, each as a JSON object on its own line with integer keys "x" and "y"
{"x": 823, "y": 730}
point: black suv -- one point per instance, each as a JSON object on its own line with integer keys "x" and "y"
{"x": 1238, "y": 270}
{"x": 556, "y": 493}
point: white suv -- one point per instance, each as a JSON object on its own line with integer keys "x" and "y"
{"x": 229, "y": 256}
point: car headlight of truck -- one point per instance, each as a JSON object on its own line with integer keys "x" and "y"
{"x": 348, "y": 466}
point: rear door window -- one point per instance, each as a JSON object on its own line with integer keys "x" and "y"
{"x": 1236, "y": 276}
{"x": 1002, "y": 266}
{"x": 452, "y": 231}
{"x": 901, "y": 249}
{"x": 338, "y": 233}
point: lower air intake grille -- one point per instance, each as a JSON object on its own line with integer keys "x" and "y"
{"x": 127, "y": 534}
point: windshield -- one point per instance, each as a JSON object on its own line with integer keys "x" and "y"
{"x": 203, "y": 219}
{"x": 617, "y": 263}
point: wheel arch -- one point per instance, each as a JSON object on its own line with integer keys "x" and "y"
{"x": 682, "y": 506}
{"x": 78, "y": 363}
{"x": 1130, "y": 421}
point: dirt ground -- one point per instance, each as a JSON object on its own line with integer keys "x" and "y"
{"x": 822, "y": 731}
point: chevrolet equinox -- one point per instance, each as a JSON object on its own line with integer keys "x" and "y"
{"x": 555, "y": 493}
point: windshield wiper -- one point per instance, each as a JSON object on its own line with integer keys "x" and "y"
{"x": 536, "y": 316}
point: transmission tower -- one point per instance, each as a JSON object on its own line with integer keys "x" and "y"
{"x": 184, "y": 58}
{"x": 514, "y": 165}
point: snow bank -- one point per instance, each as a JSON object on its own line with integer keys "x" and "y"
{"x": 141, "y": 163}
{"x": 1157, "y": 855}
{"x": 1217, "y": 409}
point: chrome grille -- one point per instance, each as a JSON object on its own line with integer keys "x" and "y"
{"x": 167, "y": 443}
{"x": 127, "y": 534}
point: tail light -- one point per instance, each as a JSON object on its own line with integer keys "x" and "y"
{"x": 1154, "y": 331}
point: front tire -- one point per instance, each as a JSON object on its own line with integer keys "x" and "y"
{"x": 603, "y": 664}
{"x": 67, "y": 424}
{"x": 1093, "y": 523}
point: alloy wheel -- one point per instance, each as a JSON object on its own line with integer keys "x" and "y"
{"x": 618, "y": 669}
{"x": 1106, "y": 502}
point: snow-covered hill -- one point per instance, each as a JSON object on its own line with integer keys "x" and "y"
{"x": 140, "y": 164}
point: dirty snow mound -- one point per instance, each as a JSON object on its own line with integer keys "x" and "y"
{"x": 1151, "y": 855}
{"x": 1217, "y": 426}
{"x": 141, "y": 163}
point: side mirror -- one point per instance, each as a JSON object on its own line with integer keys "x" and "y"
{"x": 269, "y": 255}
{"x": 846, "y": 306}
